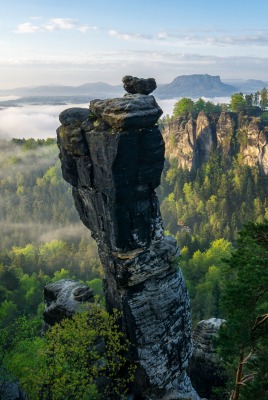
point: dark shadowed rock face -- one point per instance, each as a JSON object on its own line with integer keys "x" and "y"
{"x": 9, "y": 389}
{"x": 63, "y": 299}
{"x": 205, "y": 369}
{"x": 114, "y": 167}
{"x": 135, "y": 85}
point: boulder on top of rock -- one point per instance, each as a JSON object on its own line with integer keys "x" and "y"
{"x": 134, "y": 85}
{"x": 131, "y": 111}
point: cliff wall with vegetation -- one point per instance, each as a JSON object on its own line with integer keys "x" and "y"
{"x": 190, "y": 140}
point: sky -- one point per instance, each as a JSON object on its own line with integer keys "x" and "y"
{"x": 73, "y": 42}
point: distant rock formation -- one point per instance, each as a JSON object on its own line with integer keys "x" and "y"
{"x": 190, "y": 140}
{"x": 63, "y": 299}
{"x": 113, "y": 156}
{"x": 195, "y": 86}
{"x": 205, "y": 369}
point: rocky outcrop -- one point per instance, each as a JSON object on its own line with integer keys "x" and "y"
{"x": 63, "y": 299}
{"x": 195, "y": 86}
{"x": 181, "y": 132}
{"x": 191, "y": 140}
{"x": 113, "y": 155}
{"x": 205, "y": 369}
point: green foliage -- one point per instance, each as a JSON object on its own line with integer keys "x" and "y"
{"x": 244, "y": 304}
{"x": 202, "y": 272}
{"x": 264, "y": 99}
{"x": 21, "y": 288}
{"x": 214, "y": 203}
{"x": 20, "y": 353}
{"x": 82, "y": 351}
{"x": 42, "y": 239}
{"x": 183, "y": 107}
{"x": 35, "y": 200}
{"x": 238, "y": 102}
{"x": 81, "y": 358}
{"x": 264, "y": 117}
{"x": 250, "y": 104}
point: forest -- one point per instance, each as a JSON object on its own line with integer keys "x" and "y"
{"x": 218, "y": 216}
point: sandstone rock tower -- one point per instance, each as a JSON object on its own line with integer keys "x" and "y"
{"x": 113, "y": 155}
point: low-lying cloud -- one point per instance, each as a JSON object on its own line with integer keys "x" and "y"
{"x": 66, "y": 233}
{"x": 37, "y": 121}
{"x": 41, "y": 121}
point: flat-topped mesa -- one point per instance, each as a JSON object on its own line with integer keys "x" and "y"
{"x": 113, "y": 156}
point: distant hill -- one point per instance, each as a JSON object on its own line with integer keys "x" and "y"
{"x": 195, "y": 86}
{"x": 250, "y": 86}
{"x": 93, "y": 90}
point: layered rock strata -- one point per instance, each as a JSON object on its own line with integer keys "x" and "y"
{"x": 113, "y": 155}
{"x": 205, "y": 368}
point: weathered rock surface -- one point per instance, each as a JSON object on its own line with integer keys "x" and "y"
{"x": 131, "y": 111}
{"x": 63, "y": 299}
{"x": 115, "y": 167}
{"x": 205, "y": 370}
{"x": 135, "y": 85}
{"x": 190, "y": 140}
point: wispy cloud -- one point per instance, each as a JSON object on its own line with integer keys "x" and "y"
{"x": 129, "y": 36}
{"x": 51, "y": 25}
{"x": 210, "y": 37}
{"x": 199, "y": 39}
{"x": 27, "y": 27}
{"x": 127, "y": 56}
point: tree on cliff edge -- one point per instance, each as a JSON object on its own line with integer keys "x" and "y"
{"x": 238, "y": 102}
{"x": 244, "y": 338}
{"x": 183, "y": 107}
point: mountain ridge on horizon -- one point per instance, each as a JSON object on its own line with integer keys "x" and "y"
{"x": 193, "y": 85}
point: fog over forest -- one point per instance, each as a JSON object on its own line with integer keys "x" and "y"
{"x": 41, "y": 121}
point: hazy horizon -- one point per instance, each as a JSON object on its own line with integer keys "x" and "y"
{"x": 74, "y": 43}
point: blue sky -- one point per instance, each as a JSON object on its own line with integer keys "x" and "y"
{"x": 73, "y": 42}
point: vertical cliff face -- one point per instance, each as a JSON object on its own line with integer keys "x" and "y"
{"x": 205, "y": 368}
{"x": 113, "y": 155}
{"x": 184, "y": 132}
{"x": 191, "y": 140}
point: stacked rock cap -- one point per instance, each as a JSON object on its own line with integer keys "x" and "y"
{"x": 134, "y": 85}
{"x": 131, "y": 111}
